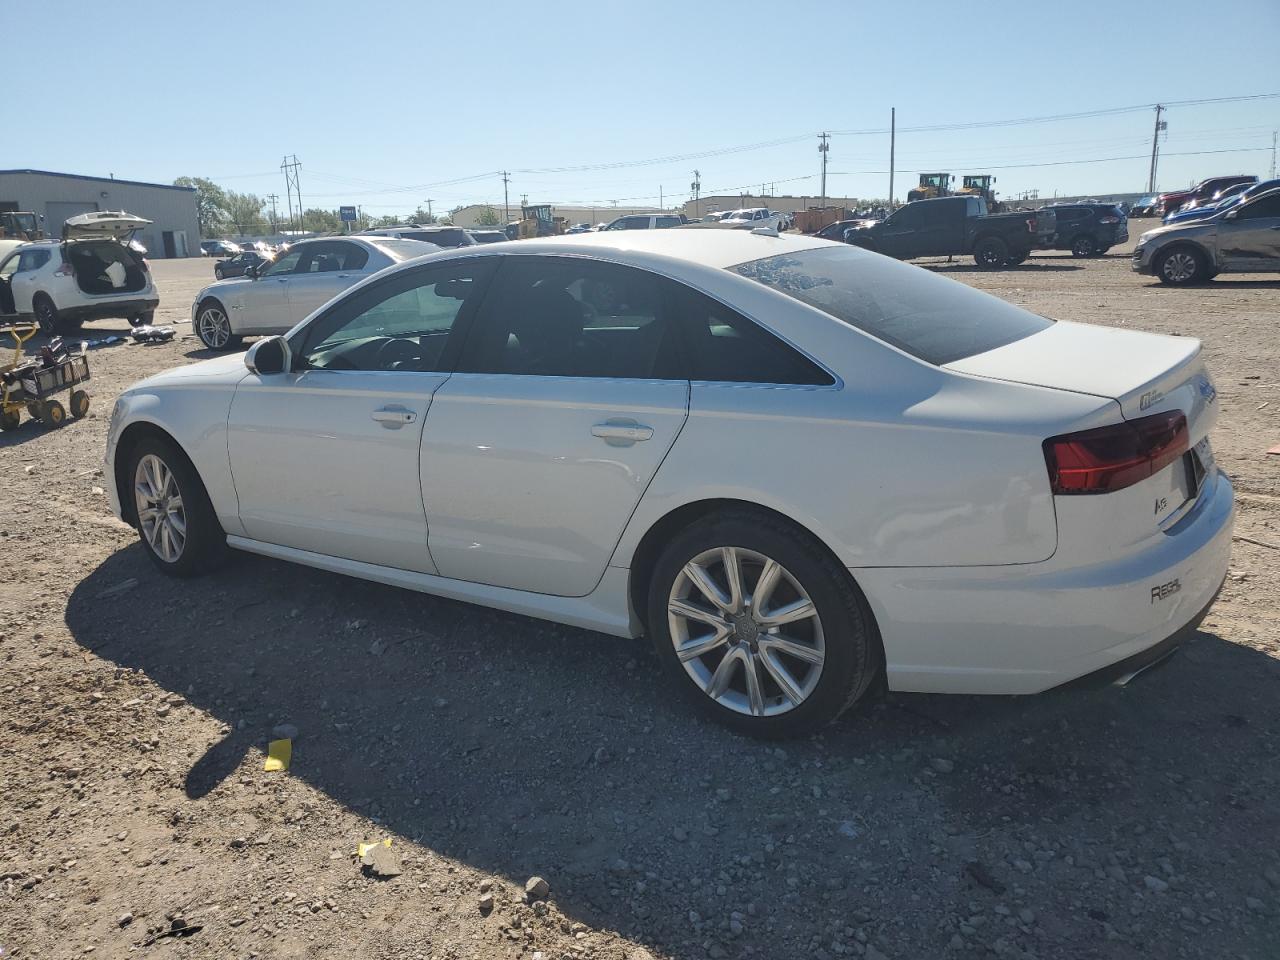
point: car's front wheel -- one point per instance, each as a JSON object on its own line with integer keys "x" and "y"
{"x": 176, "y": 522}
{"x": 757, "y": 622}
{"x": 1181, "y": 266}
{"x": 213, "y": 326}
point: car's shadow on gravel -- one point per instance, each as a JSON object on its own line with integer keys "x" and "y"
{"x": 522, "y": 747}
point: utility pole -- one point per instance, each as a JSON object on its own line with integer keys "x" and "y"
{"x": 1155, "y": 147}
{"x": 430, "y": 216}
{"x": 696, "y": 187}
{"x": 1273, "y": 153}
{"x": 660, "y": 197}
{"x": 823, "y": 147}
{"x": 893, "y": 136}
{"x": 273, "y": 197}
{"x": 506, "y": 206}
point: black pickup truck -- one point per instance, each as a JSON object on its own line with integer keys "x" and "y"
{"x": 946, "y": 226}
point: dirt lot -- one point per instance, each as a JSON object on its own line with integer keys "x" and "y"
{"x": 1094, "y": 822}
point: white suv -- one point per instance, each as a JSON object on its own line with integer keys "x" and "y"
{"x": 92, "y": 272}
{"x": 751, "y": 218}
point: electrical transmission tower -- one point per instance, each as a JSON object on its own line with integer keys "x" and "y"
{"x": 289, "y": 166}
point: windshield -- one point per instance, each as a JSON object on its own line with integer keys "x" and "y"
{"x": 399, "y": 249}
{"x": 930, "y": 317}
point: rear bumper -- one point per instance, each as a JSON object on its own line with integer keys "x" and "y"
{"x": 113, "y": 308}
{"x": 1021, "y": 629}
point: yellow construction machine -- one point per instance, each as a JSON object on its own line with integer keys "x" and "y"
{"x": 931, "y": 185}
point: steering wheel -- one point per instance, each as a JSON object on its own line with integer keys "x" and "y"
{"x": 396, "y": 351}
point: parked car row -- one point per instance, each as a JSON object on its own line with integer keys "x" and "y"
{"x": 572, "y": 428}
{"x": 1238, "y": 237}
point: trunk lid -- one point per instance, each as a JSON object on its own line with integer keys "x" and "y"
{"x": 1143, "y": 372}
{"x": 102, "y": 224}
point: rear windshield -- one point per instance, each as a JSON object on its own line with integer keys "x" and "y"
{"x": 404, "y": 249}
{"x": 930, "y": 317}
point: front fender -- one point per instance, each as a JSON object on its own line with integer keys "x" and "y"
{"x": 195, "y": 418}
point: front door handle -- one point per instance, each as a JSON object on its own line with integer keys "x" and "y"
{"x": 621, "y": 433}
{"x": 393, "y": 418}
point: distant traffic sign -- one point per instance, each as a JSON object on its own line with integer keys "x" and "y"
{"x": 347, "y": 214}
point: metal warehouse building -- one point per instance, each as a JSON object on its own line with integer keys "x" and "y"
{"x": 174, "y": 232}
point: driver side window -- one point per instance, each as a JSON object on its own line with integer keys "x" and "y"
{"x": 402, "y": 324}
{"x": 1266, "y": 208}
{"x": 286, "y": 264}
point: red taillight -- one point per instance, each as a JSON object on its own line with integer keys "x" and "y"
{"x": 1115, "y": 457}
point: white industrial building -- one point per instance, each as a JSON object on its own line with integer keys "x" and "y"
{"x": 175, "y": 229}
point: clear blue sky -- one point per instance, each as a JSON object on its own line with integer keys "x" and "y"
{"x": 384, "y": 102}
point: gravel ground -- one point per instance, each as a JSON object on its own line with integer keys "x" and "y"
{"x": 1092, "y": 822}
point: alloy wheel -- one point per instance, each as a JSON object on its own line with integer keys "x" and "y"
{"x": 161, "y": 513}
{"x": 746, "y": 631}
{"x": 1179, "y": 266}
{"x": 214, "y": 327}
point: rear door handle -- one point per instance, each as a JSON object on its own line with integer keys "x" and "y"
{"x": 621, "y": 433}
{"x": 393, "y": 418}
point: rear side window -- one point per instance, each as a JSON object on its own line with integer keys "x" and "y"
{"x": 928, "y": 316}
{"x": 571, "y": 317}
{"x": 668, "y": 221}
{"x": 32, "y": 260}
{"x": 722, "y": 345}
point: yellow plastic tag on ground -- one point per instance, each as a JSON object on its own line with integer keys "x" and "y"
{"x": 363, "y": 848}
{"x": 279, "y": 753}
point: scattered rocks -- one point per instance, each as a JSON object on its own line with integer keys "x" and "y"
{"x": 940, "y": 765}
{"x": 124, "y": 920}
{"x": 486, "y": 903}
{"x": 486, "y": 886}
{"x": 535, "y": 888}
{"x": 284, "y": 731}
{"x": 1155, "y": 884}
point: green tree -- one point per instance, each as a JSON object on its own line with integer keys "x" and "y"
{"x": 244, "y": 213}
{"x": 488, "y": 217}
{"x": 421, "y": 216}
{"x": 211, "y": 204}
{"x": 316, "y": 220}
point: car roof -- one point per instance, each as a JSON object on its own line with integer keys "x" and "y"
{"x": 718, "y": 249}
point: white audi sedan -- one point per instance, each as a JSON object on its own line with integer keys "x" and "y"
{"x": 799, "y": 467}
{"x": 276, "y": 294}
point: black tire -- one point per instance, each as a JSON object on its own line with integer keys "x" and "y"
{"x": 1181, "y": 266}
{"x": 852, "y": 655}
{"x": 205, "y": 327}
{"x": 142, "y": 319}
{"x": 205, "y": 545}
{"x": 10, "y": 420}
{"x": 52, "y": 414}
{"x": 79, "y": 403}
{"x": 991, "y": 253}
{"x": 1084, "y": 246}
{"x": 1102, "y": 251}
{"x": 1016, "y": 259}
{"x": 46, "y": 314}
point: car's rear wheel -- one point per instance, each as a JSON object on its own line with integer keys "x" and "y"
{"x": 175, "y": 519}
{"x": 46, "y": 314}
{"x": 1084, "y": 246}
{"x": 1181, "y": 266}
{"x": 991, "y": 253}
{"x": 213, "y": 326}
{"x": 757, "y": 623}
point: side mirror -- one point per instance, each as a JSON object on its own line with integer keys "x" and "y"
{"x": 251, "y": 271}
{"x": 268, "y": 356}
